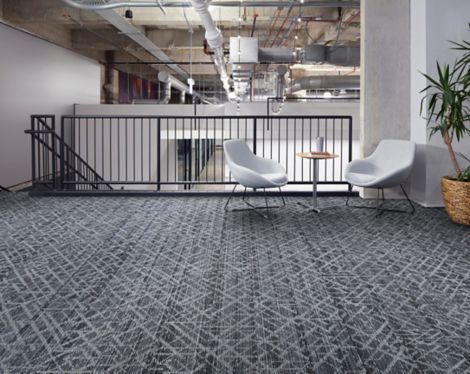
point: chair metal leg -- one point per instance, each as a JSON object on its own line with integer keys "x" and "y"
{"x": 380, "y": 203}
{"x": 282, "y": 197}
{"x": 266, "y": 200}
{"x": 409, "y": 201}
{"x": 251, "y": 206}
{"x": 230, "y": 197}
{"x": 349, "y": 194}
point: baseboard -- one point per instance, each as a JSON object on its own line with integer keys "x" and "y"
{"x": 184, "y": 193}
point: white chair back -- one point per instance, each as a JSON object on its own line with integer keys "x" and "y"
{"x": 393, "y": 154}
{"x": 237, "y": 152}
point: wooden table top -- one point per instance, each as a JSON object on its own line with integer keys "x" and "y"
{"x": 317, "y": 155}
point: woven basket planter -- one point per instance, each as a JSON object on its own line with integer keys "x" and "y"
{"x": 456, "y": 197}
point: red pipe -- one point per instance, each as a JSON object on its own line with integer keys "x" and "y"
{"x": 282, "y": 25}
{"x": 278, "y": 11}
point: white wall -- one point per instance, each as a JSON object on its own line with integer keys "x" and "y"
{"x": 36, "y": 77}
{"x": 433, "y": 24}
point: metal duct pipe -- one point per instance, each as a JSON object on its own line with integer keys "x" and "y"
{"x": 94, "y": 5}
{"x": 280, "y": 88}
{"x": 166, "y": 78}
{"x": 166, "y": 94}
{"x": 216, "y": 41}
{"x": 182, "y": 97}
{"x": 313, "y": 54}
{"x": 340, "y": 82}
{"x": 136, "y": 35}
{"x": 277, "y": 55}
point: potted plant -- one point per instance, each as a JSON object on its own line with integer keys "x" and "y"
{"x": 448, "y": 97}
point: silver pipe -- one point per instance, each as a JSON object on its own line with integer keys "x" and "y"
{"x": 272, "y": 4}
{"x": 277, "y": 55}
{"x": 94, "y": 5}
{"x": 166, "y": 94}
{"x": 325, "y": 82}
{"x": 215, "y": 40}
{"x": 166, "y": 78}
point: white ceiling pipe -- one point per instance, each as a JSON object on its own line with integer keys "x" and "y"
{"x": 95, "y": 5}
{"x": 108, "y": 4}
{"x": 166, "y": 78}
{"x": 215, "y": 40}
{"x": 166, "y": 94}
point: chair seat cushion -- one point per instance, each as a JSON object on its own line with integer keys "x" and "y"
{"x": 276, "y": 178}
{"x": 360, "y": 179}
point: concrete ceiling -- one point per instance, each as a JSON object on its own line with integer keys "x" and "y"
{"x": 90, "y": 34}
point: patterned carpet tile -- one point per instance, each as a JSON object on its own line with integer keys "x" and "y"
{"x": 177, "y": 285}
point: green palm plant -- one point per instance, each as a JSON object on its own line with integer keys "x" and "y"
{"x": 448, "y": 97}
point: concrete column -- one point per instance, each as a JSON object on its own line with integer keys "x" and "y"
{"x": 385, "y": 67}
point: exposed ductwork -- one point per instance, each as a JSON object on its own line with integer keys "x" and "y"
{"x": 334, "y": 55}
{"x": 280, "y": 88}
{"x": 136, "y": 35}
{"x": 182, "y": 97}
{"x": 171, "y": 81}
{"x": 166, "y": 92}
{"x": 283, "y": 55}
{"x": 313, "y": 54}
{"x": 338, "y": 82}
{"x": 110, "y": 4}
{"x": 107, "y": 4}
{"x": 216, "y": 42}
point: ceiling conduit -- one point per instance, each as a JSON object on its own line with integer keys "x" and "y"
{"x": 216, "y": 42}
{"x": 137, "y": 36}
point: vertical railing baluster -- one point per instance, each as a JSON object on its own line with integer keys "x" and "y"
{"x": 159, "y": 166}
{"x": 334, "y": 141}
{"x": 255, "y": 135}
{"x": 133, "y": 149}
{"x": 62, "y": 153}
{"x": 119, "y": 148}
{"x": 54, "y": 151}
{"x": 141, "y": 149}
{"x": 341, "y": 152}
{"x": 33, "y": 153}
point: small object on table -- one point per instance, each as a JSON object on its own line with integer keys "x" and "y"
{"x": 315, "y": 156}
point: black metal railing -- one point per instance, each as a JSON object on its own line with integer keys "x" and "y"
{"x": 160, "y": 152}
{"x": 53, "y": 160}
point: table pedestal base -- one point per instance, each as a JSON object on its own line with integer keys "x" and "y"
{"x": 309, "y": 207}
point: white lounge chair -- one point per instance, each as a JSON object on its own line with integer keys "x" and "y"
{"x": 254, "y": 172}
{"x": 388, "y": 166}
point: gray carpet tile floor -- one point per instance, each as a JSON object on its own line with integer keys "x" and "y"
{"x": 176, "y": 285}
